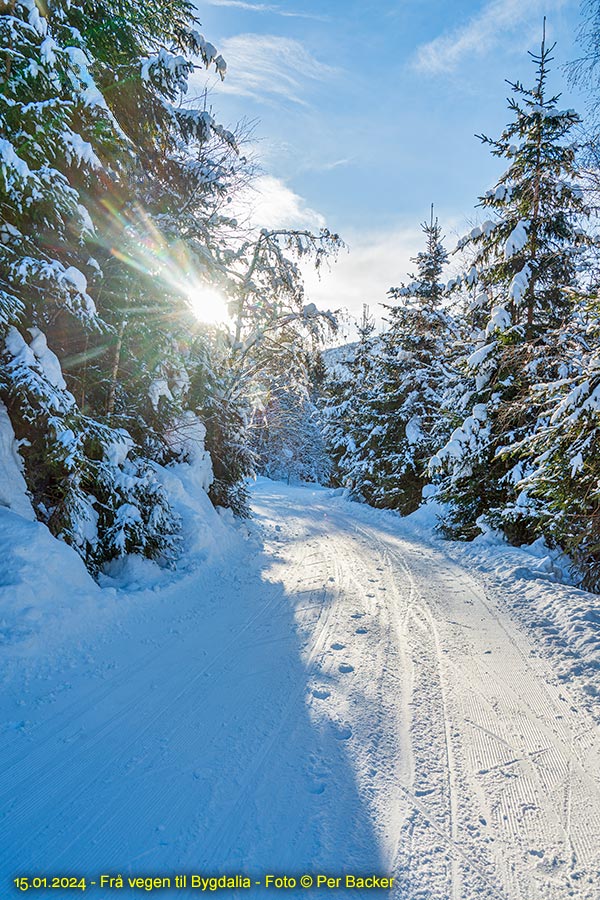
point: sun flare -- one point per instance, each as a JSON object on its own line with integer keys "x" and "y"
{"x": 209, "y": 304}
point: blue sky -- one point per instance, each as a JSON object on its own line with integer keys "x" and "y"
{"x": 366, "y": 113}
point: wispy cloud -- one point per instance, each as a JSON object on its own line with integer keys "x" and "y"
{"x": 265, "y": 66}
{"x": 330, "y": 166}
{"x": 270, "y": 203}
{"x": 495, "y": 21}
{"x": 268, "y": 7}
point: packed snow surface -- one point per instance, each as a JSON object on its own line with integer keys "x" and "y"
{"x": 348, "y": 699}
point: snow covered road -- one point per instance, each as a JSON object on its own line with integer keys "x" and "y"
{"x": 348, "y": 701}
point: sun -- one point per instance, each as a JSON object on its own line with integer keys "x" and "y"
{"x": 209, "y": 304}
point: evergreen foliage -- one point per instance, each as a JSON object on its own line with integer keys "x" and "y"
{"x": 404, "y": 407}
{"x": 287, "y": 429}
{"x": 348, "y": 386}
{"x": 524, "y": 266}
{"x": 112, "y": 191}
{"x": 390, "y": 403}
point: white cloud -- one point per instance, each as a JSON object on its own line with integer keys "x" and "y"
{"x": 268, "y": 202}
{"x": 496, "y": 20}
{"x": 267, "y": 66}
{"x": 266, "y": 7}
{"x": 374, "y": 263}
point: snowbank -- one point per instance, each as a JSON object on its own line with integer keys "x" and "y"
{"x": 13, "y": 490}
{"x": 48, "y": 598}
{"x": 45, "y": 589}
{"x": 534, "y": 581}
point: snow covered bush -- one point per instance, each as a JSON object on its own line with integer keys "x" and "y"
{"x": 89, "y": 102}
{"x": 86, "y": 480}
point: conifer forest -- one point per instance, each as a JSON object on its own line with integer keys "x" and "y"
{"x": 288, "y": 584}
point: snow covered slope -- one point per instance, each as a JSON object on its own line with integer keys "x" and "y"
{"x": 351, "y": 699}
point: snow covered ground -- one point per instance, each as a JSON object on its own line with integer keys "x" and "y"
{"x": 356, "y": 697}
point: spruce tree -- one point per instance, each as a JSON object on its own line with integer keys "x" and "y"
{"x": 561, "y": 455}
{"x": 403, "y": 407}
{"x": 61, "y": 148}
{"x": 347, "y": 388}
{"x": 524, "y": 263}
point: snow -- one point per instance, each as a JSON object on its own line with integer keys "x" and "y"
{"x": 48, "y": 600}
{"x": 9, "y": 159}
{"x": 78, "y": 151}
{"x": 35, "y": 18}
{"x": 517, "y": 239}
{"x": 13, "y": 490}
{"x": 186, "y": 438}
{"x": 48, "y": 49}
{"x": 88, "y": 225}
{"x": 46, "y": 359}
{"x": 8, "y": 232}
{"x": 221, "y": 66}
{"x": 18, "y": 348}
{"x": 355, "y": 696}
{"x": 159, "y": 388}
{"x": 478, "y": 357}
{"x": 117, "y": 451}
{"x": 77, "y": 279}
{"x": 413, "y": 430}
{"x": 45, "y": 589}
{"x": 464, "y": 444}
{"x": 176, "y": 66}
{"x": 499, "y": 320}
{"x": 520, "y": 283}
{"x": 91, "y": 94}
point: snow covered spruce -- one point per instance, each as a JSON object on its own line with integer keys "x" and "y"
{"x": 485, "y": 391}
{"x": 113, "y": 192}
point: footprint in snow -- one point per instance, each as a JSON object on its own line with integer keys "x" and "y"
{"x": 321, "y": 694}
{"x": 361, "y": 630}
{"x": 345, "y": 668}
{"x": 343, "y": 733}
{"x": 337, "y": 646}
{"x": 317, "y": 788}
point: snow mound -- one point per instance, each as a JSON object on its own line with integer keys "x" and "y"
{"x": 13, "y": 490}
{"x": 45, "y": 588}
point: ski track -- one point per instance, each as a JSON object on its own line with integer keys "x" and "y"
{"x": 349, "y": 701}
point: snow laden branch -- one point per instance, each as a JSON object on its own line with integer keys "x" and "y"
{"x": 266, "y": 285}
